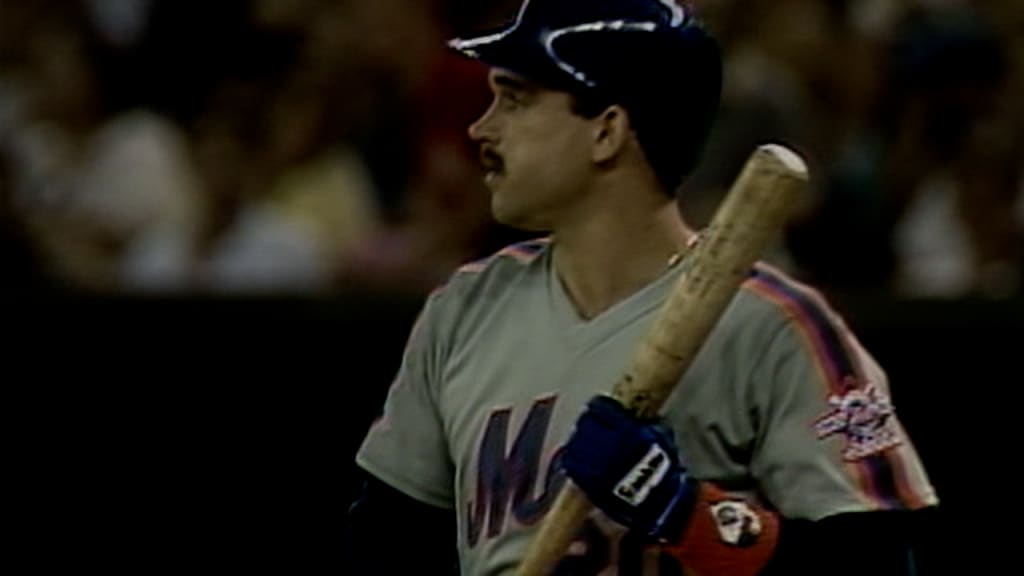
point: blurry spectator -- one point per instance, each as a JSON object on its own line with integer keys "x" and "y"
{"x": 111, "y": 202}
{"x": 955, "y": 157}
{"x": 374, "y": 58}
{"x": 315, "y": 145}
{"x": 120, "y": 23}
{"x": 290, "y": 233}
{"x": 912, "y": 200}
{"x": 138, "y": 187}
{"x": 293, "y": 194}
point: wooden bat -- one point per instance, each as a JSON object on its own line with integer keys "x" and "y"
{"x": 751, "y": 214}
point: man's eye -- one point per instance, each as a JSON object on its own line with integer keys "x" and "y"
{"x": 511, "y": 101}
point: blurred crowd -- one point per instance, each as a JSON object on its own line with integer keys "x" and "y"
{"x": 315, "y": 146}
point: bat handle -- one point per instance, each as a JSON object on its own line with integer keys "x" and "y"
{"x": 550, "y": 544}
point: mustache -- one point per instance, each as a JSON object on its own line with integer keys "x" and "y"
{"x": 490, "y": 159}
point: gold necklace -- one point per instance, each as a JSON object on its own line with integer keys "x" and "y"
{"x": 677, "y": 257}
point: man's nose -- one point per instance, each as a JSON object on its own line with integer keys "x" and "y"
{"x": 483, "y": 128}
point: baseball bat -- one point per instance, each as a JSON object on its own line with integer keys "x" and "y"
{"x": 751, "y": 214}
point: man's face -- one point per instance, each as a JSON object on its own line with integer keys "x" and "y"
{"x": 537, "y": 153}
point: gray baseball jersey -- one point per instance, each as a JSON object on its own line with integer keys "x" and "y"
{"x": 781, "y": 403}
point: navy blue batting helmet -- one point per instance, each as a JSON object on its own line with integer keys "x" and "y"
{"x": 651, "y": 56}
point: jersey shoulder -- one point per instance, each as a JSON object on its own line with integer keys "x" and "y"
{"x": 510, "y": 259}
{"x": 498, "y": 272}
{"x": 799, "y": 319}
{"x": 771, "y": 302}
{"x": 777, "y": 296}
{"x": 476, "y": 290}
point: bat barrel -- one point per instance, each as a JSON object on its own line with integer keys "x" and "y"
{"x": 749, "y": 218}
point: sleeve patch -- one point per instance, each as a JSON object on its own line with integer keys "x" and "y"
{"x": 864, "y": 416}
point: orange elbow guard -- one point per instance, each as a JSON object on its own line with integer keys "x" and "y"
{"x": 726, "y": 535}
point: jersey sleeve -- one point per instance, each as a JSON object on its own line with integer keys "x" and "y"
{"x": 829, "y": 440}
{"x": 406, "y": 446}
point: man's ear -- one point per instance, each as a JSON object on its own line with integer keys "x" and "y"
{"x": 612, "y": 132}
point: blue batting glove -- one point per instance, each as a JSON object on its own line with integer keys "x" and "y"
{"x": 630, "y": 470}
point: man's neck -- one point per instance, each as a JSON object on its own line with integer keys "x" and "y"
{"x": 611, "y": 253}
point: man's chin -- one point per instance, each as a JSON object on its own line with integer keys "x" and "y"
{"x": 503, "y": 213}
{"x": 517, "y": 217}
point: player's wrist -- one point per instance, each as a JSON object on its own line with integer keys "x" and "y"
{"x": 671, "y": 524}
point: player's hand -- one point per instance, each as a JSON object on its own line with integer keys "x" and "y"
{"x": 630, "y": 469}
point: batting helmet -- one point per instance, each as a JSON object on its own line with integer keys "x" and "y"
{"x": 653, "y": 57}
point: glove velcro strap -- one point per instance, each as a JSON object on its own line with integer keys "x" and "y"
{"x": 726, "y": 535}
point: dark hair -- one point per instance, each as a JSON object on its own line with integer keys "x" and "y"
{"x": 671, "y": 145}
{"x": 671, "y": 108}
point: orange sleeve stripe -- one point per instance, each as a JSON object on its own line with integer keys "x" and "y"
{"x": 881, "y": 477}
{"x": 522, "y": 251}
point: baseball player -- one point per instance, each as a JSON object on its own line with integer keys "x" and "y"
{"x": 779, "y": 452}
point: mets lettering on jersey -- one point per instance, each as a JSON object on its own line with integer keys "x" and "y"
{"x": 508, "y": 480}
{"x": 506, "y": 499}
